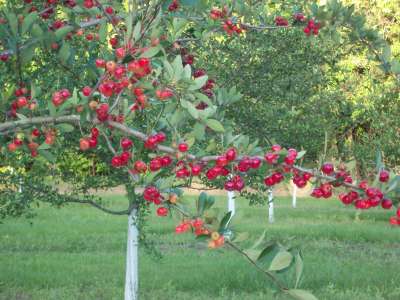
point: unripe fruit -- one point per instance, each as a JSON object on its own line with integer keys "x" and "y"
{"x": 173, "y": 198}
{"x": 84, "y": 144}
{"x": 93, "y": 105}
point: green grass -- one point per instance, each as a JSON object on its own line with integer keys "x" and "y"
{"x": 79, "y": 253}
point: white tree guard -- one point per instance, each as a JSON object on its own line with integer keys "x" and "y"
{"x": 132, "y": 258}
{"x": 231, "y": 203}
{"x": 294, "y": 196}
{"x": 271, "y": 217}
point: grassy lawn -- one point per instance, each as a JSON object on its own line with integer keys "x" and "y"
{"x": 78, "y": 253}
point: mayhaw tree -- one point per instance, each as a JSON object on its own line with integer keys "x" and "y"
{"x": 99, "y": 94}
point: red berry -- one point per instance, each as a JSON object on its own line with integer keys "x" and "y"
{"x": 86, "y": 91}
{"x": 183, "y": 147}
{"x": 196, "y": 170}
{"x": 398, "y": 212}
{"x": 221, "y": 161}
{"x": 269, "y": 181}
{"x": 162, "y": 211}
{"x": 384, "y": 176}
{"x": 126, "y": 143}
{"x": 140, "y": 166}
{"x": 231, "y": 154}
{"x": 386, "y": 204}
{"x": 95, "y": 132}
{"x": 276, "y": 148}
{"x": 327, "y": 168}
{"x": 255, "y": 163}
{"x": 84, "y": 144}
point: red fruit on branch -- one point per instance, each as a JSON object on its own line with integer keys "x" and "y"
{"x": 116, "y": 161}
{"x": 231, "y": 154}
{"x": 196, "y": 170}
{"x": 384, "y": 176}
{"x": 327, "y": 168}
{"x": 162, "y": 211}
{"x": 84, "y": 144}
{"x": 95, "y": 132}
{"x": 183, "y": 147}
{"x": 269, "y": 181}
{"x": 271, "y": 158}
{"x": 21, "y": 102}
{"x": 86, "y": 91}
{"x": 140, "y": 166}
{"x": 281, "y": 21}
{"x": 126, "y": 143}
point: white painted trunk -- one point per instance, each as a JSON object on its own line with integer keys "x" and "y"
{"x": 231, "y": 202}
{"x": 20, "y": 185}
{"x": 132, "y": 259}
{"x": 294, "y": 196}
{"x": 271, "y": 217}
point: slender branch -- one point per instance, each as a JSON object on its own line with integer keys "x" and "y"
{"x": 266, "y": 273}
{"x": 75, "y": 119}
{"x": 98, "y": 206}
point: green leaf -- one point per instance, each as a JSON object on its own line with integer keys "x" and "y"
{"x": 151, "y": 52}
{"x": 28, "y": 20}
{"x": 37, "y": 31}
{"x": 166, "y": 182}
{"x": 201, "y": 203}
{"x": 13, "y": 22}
{"x": 198, "y": 83}
{"x": 64, "y": 52}
{"x": 136, "y": 31}
{"x": 103, "y": 31}
{"x": 299, "y": 268}
{"x": 44, "y": 146}
{"x": 267, "y": 254}
{"x": 169, "y": 69}
{"x": 27, "y": 55}
{"x": 225, "y": 221}
{"x": 21, "y": 116}
{"x": 281, "y": 261}
{"x": 47, "y": 155}
{"x": 199, "y": 131}
{"x": 65, "y": 127}
{"x": 301, "y": 294}
{"x": 215, "y": 125}
{"x": 300, "y": 154}
{"x": 63, "y": 31}
{"x": 177, "y": 67}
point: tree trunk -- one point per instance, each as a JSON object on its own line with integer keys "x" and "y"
{"x": 271, "y": 217}
{"x": 132, "y": 258}
{"x": 231, "y": 203}
{"x": 294, "y": 196}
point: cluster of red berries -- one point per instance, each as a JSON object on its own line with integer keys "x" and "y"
{"x": 164, "y": 94}
{"x": 121, "y": 160}
{"x": 217, "y": 13}
{"x": 229, "y": 27}
{"x": 312, "y": 27}
{"x": 281, "y": 21}
{"x": 234, "y": 184}
{"x": 60, "y": 97}
{"x": 395, "y": 220}
{"x": 24, "y": 100}
{"x": 174, "y": 6}
{"x": 160, "y": 162}
{"x": 155, "y": 139}
{"x": 152, "y": 194}
{"x": 89, "y": 142}
{"x": 102, "y": 112}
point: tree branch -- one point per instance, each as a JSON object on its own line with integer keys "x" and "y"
{"x": 98, "y": 206}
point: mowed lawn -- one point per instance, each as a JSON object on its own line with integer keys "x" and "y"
{"x": 78, "y": 252}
